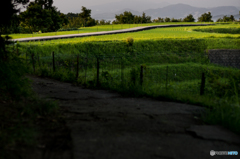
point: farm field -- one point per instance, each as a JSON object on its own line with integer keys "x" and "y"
{"x": 97, "y": 29}
{"x": 213, "y": 40}
{"x": 166, "y": 63}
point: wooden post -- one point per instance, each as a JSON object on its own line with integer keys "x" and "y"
{"x": 166, "y": 78}
{"x": 26, "y": 57}
{"x": 38, "y": 60}
{"x": 98, "y": 84}
{"x": 53, "y": 61}
{"x": 202, "y": 84}
{"x": 33, "y": 62}
{"x": 122, "y": 69}
{"x": 86, "y": 70}
{"x": 141, "y": 76}
{"x": 77, "y": 67}
{"x": 17, "y": 52}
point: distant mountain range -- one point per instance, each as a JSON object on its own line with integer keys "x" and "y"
{"x": 136, "y": 5}
{"x": 161, "y": 10}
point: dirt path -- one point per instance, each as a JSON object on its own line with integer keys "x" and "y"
{"x": 105, "y": 125}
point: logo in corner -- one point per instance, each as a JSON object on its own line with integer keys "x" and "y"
{"x": 212, "y": 153}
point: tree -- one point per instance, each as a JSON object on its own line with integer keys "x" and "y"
{"x": 125, "y": 17}
{"x": 219, "y": 20}
{"x": 36, "y": 18}
{"x": 129, "y": 18}
{"x": 189, "y": 18}
{"x": 232, "y": 18}
{"x": 226, "y": 19}
{"x": 41, "y": 15}
{"x": 158, "y": 20}
{"x": 8, "y": 9}
{"x": 206, "y": 17}
{"x": 85, "y": 14}
{"x": 46, "y": 4}
{"x": 176, "y": 20}
{"x": 77, "y": 20}
{"x": 167, "y": 19}
{"x": 71, "y": 15}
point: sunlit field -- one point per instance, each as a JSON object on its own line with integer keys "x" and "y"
{"x": 213, "y": 40}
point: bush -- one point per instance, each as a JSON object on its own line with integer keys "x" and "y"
{"x": 13, "y": 83}
{"x": 129, "y": 41}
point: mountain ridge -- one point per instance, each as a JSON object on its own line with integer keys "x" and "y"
{"x": 176, "y": 11}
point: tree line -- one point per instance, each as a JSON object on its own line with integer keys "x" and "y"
{"x": 40, "y": 15}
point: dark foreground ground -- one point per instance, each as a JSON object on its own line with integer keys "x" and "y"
{"x": 105, "y": 125}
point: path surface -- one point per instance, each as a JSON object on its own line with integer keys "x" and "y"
{"x": 103, "y": 32}
{"x": 105, "y": 125}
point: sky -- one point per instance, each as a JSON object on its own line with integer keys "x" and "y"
{"x": 66, "y": 6}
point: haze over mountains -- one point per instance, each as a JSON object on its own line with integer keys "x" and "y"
{"x": 162, "y": 9}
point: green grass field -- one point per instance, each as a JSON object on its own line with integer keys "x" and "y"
{"x": 212, "y": 40}
{"x": 96, "y": 29}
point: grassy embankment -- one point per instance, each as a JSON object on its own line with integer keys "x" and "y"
{"x": 173, "y": 60}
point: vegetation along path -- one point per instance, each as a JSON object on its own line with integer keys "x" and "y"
{"x": 104, "y": 32}
{"x": 106, "y": 125}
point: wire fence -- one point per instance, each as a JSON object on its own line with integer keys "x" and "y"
{"x": 127, "y": 72}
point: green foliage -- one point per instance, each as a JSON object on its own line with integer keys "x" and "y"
{"x": 167, "y": 19}
{"x": 223, "y": 83}
{"x": 158, "y": 20}
{"x": 189, "y": 18}
{"x": 78, "y": 20}
{"x": 226, "y": 19}
{"x": 129, "y": 18}
{"x": 176, "y": 20}
{"x": 206, "y": 17}
{"x": 13, "y": 84}
{"x": 224, "y": 114}
{"x": 37, "y": 17}
{"x": 226, "y": 30}
{"x": 129, "y": 41}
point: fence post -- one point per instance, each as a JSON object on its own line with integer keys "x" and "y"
{"x": 166, "y": 78}
{"x": 38, "y": 60}
{"x": 122, "y": 69}
{"x": 98, "y": 84}
{"x": 33, "y": 62}
{"x": 53, "y": 61}
{"x": 86, "y": 65}
{"x": 141, "y": 76}
{"x": 202, "y": 84}
{"x": 17, "y": 52}
{"x": 77, "y": 67}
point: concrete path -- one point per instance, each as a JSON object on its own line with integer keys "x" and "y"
{"x": 136, "y": 29}
{"x": 105, "y": 125}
